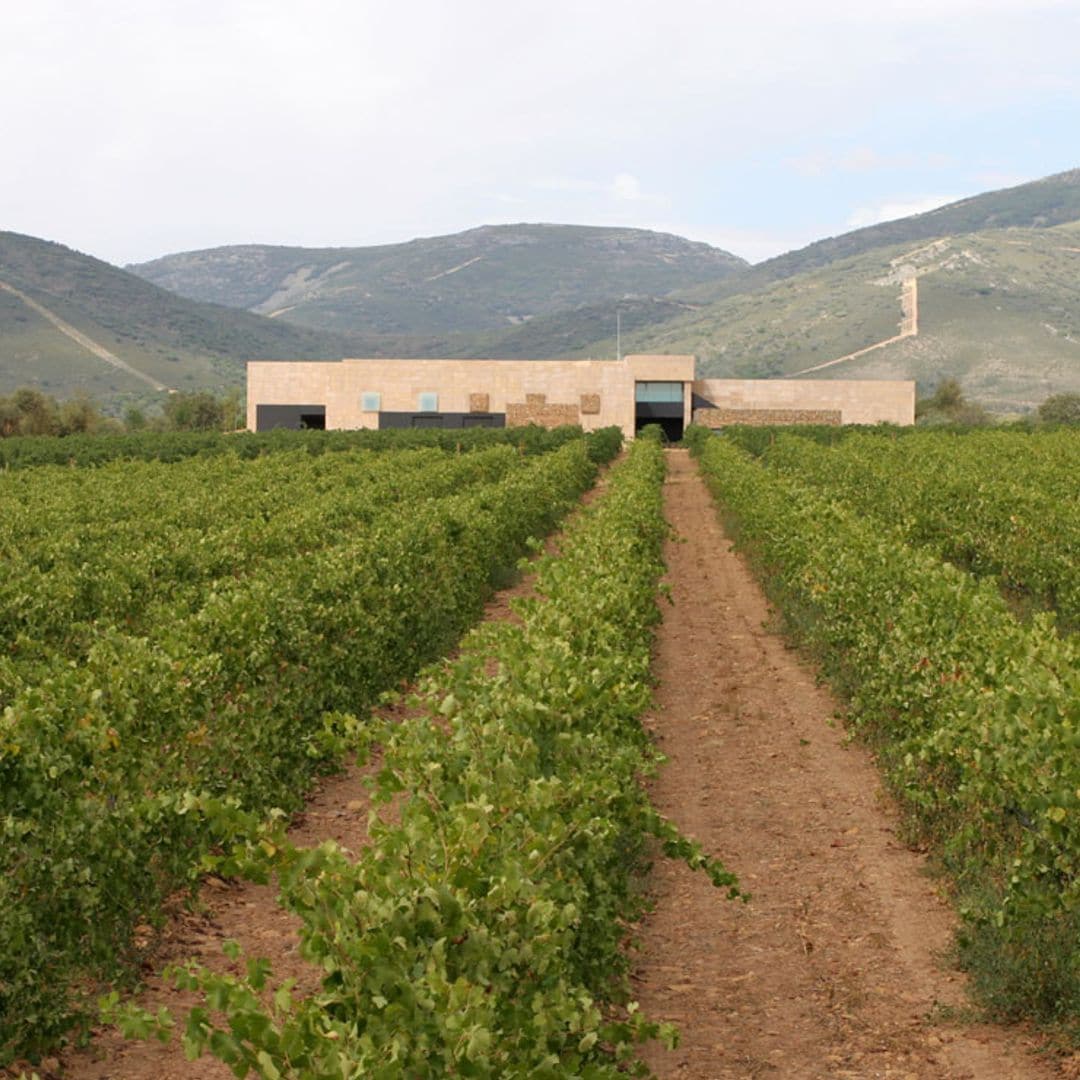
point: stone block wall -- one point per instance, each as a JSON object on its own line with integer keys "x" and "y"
{"x": 716, "y": 418}
{"x": 855, "y": 401}
{"x": 545, "y": 416}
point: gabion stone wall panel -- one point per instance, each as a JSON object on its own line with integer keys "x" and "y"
{"x": 716, "y": 418}
{"x": 548, "y": 416}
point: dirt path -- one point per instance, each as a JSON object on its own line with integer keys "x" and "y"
{"x": 831, "y": 970}
{"x": 909, "y": 327}
{"x": 82, "y": 339}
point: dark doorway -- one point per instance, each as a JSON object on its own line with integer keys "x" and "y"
{"x": 268, "y": 417}
{"x": 440, "y": 420}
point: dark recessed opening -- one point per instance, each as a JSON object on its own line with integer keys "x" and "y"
{"x": 268, "y": 417}
{"x": 666, "y": 414}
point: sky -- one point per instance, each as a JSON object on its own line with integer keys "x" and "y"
{"x": 131, "y": 129}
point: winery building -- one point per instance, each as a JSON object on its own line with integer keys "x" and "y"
{"x": 629, "y": 393}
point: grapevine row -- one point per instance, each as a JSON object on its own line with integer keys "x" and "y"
{"x": 106, "y": 767}
{"x": 30, "y": 451}
{"x": 999, "y": 504}
{"x": 481, "y": 932}
{"x": 134, "y": 544}
{"x": 976, "y": 718}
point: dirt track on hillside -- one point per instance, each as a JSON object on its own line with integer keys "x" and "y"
{"x": 832, "y": 969}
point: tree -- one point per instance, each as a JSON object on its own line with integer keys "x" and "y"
{"x": 10, "y": 418}
{"x": 80, "y": 416}
{"x": 948, "y": 396}
{"x": 37, "y": 413}
{"x": 947, "y": 405}
{"x": 234, "y": 410}
{"x": 198, "y": 411}
{"x": 1060, "y": 409}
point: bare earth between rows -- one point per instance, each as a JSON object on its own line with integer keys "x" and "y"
{"x": 830, "y": 971}
{"x": 833, "y": 968}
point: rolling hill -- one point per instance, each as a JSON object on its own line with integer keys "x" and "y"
{"x": 482, "y": 280}
{"x": 1053, "y": 200}
{"x": 70, "y": 322}
{"x": 998, "y": 309}
{"x": 998, "y": 282}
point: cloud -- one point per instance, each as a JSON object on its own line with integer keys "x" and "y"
{"x": 899, "y": 208}
{"x": 864, "y": 159}
{"x": 626, "y": 188}
{"x": 224, "y": 121}
{"x": 565, "y": 183}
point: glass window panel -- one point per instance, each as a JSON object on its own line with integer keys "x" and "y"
{"x": 429, "y": 401}
{"x": 370, "y": 401}
{"x": 659, "y": 391}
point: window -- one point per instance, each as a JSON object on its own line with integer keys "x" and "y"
{"x": 429, "y": 401}
{"x": 656, "y": 392}
{"x": 371, "y": 401}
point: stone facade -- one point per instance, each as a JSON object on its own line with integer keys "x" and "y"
{"x": 859, "y": 401}
{"x": 536, "y": 410}
{"x": 594, "y": 393}
{"x": 717, "y": 418}
{"x": 340, "y": 385}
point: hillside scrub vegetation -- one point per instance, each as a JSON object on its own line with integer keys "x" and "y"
{"x": 1060, "y": 409}
{"x": 949, "y": 405}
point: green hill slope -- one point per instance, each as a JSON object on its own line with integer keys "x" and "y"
{"x": 54, "y": 296}
{"x": 998, "y": 309}
{"x": 1053, "y": 200}
{"x": 485, "y": 279}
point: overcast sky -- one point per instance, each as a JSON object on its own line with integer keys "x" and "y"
{"x": 134, "y": 128}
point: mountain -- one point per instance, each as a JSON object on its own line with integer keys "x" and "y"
{"x": 1053, "y": 200}
{"x": 997, "y": 274}
{"x": 70, "y": 322}
{"x": 485, "y": 279}
{"x": 998, "y": 309}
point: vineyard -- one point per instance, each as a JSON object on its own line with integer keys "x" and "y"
{"x": 898, "y": 562}
{"x": 194, "y": 632}
{"x": 481, "y": 931}
{"x": 998, "y": 504}
{"x": 179, "y": 638}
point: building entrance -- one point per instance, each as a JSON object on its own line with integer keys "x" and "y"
{"x": 660, "y": 403}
